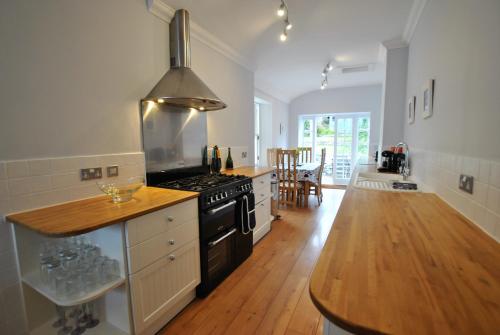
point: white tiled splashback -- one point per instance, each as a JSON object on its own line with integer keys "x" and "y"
{"x": 441, "y": 172}
{"x": 28, "y": 184}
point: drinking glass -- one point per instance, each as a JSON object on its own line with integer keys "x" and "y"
{"x": 53, "y": 269}
{"x": 65, "y": 328}
{"x": 92, "y": 315}
{"x": 61, "y": 285}
{"x": 75, "y": 315}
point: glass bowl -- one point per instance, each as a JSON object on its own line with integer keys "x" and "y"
{"x": 121, "y": 191}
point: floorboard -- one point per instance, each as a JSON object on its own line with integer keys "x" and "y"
{"x": 269, "y": 292}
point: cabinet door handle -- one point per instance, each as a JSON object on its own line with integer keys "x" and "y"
{"x": 171, "y": 257}
{"x": 262, "y": 194}
{"x": 262, "y": 182}
{"x": 171, "y": 242}
{"x": 170, "y": 218}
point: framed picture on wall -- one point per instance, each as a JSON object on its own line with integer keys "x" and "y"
{"x": 427, "y": 99}
{"x": 411, "y": 109}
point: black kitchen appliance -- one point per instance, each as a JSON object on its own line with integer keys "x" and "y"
{"x": 226, "y": 208}
{"x": 390, "y": 161}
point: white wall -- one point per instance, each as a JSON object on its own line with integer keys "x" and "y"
{"x": 280, "y": 116}
{"x": 456, "y": 43}
{"x": 339, "y": 100}
{"x": 232, "y": 126}
{"x": 72, "y": 75}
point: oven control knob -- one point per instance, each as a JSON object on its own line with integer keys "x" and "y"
{"x": 211, "y": 199}
{"x": 217, "y": 197}
{"x": 225, "y": 194}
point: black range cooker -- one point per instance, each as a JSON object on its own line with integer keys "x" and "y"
{"x": 226, "y": 210}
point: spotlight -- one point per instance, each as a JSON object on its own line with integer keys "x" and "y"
{"x": 281, "y": 10}
{"x": 283, "y": 36}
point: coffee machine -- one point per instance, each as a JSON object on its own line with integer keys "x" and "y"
{"x": 391, "y": 160}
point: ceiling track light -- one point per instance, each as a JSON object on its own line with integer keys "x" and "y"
{"x": 282, "y": 9}
{"x": 324, "y": 74}
{"x": 283, "y": 12}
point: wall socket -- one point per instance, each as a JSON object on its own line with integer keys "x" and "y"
{"x": 466, "y": 183}
{"x": 90, "y": 173}
{"x": 112, "y": 171}
{"x": 244, "y": 154}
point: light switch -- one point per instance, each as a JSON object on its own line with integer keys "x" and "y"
{"x": 466, "y": 183}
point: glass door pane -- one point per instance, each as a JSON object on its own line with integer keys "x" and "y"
{"x": 363, "y": 137}
{"x": 343, "y": 150}
{"x": 325, "y": 138}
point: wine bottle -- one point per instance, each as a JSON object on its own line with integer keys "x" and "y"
{"x": 229, "y": 160}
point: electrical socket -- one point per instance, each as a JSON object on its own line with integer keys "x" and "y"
{"x": 466, "y": 183}
{"x": 112, "y": 171}
{"x": 90, "y": 173}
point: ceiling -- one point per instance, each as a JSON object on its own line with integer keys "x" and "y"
{"x": 347, "y": 32}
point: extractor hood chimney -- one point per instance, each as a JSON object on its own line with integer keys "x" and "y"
{"x": 180, "y": 86}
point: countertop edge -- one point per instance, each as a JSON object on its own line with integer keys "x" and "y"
{"x": 65, "y": 233}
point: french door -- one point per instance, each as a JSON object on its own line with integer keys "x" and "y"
{"x": 345, "y": 138}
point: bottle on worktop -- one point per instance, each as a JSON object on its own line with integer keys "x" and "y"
{"x": 229, "y": 160}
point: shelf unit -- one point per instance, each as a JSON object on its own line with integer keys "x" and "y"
{"x": 111, "y": 299}
{"x": 102, "y": 328}
{"x": 33, "y": 280}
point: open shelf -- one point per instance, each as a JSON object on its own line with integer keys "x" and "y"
{"x": 101, "y": 328}
{"x": 33, "y": 280}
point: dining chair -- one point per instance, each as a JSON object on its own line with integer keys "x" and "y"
{"x": 305, "y": 154}
{"x": 272, "y": 157}
{"x": 286, "y": 170}
{"x": 315, "y": 182}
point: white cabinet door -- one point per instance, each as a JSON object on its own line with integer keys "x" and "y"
{"x": 159, "y": 286}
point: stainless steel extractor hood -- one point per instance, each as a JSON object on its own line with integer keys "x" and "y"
{"x": 180, "y": 86}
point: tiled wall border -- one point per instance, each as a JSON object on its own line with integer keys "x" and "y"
{"x": 441, "y": 171}
{"x": 28, "y": 184}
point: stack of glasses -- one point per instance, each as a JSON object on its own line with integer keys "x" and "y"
{"x": 73, "y": 267}
{"x": 75, "y": 320}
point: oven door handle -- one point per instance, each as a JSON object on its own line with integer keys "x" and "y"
{"x": 217, "y": 241}
{"x": 215, "y": 210}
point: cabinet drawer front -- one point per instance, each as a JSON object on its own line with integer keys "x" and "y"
{"x": 262, "y": 213}
{"x": 145, "y": 253}
{"x": 161, "y": 285}
{"x": 261, "y": 181}
{"x": 147, "y": 226}
{"x": 262, "y": 194}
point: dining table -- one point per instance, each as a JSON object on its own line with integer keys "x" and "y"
{"x": 306, "y": 173}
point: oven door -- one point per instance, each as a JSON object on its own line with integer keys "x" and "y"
{"x": 217, "y": 233}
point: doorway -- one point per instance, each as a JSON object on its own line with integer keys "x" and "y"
{"x": 345, "y": 137}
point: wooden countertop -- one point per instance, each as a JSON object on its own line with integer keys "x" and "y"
{"x": 82, "y": 216}
{"x": 250, "y": 171}
{"x": 407, "y": 263}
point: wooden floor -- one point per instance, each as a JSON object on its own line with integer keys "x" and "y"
{"x": 269, "y": 292}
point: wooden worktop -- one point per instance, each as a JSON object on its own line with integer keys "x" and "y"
{"x": 250, "y": 171}
{"x": 407, "y": 263}
{"x": 82, "y": 216}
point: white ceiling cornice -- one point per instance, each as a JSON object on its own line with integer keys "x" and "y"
{"x": 162, "y": 10}
{"x": 416, "y": 11}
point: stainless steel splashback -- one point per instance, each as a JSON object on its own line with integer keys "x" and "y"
{"x": 172, "y": 137}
